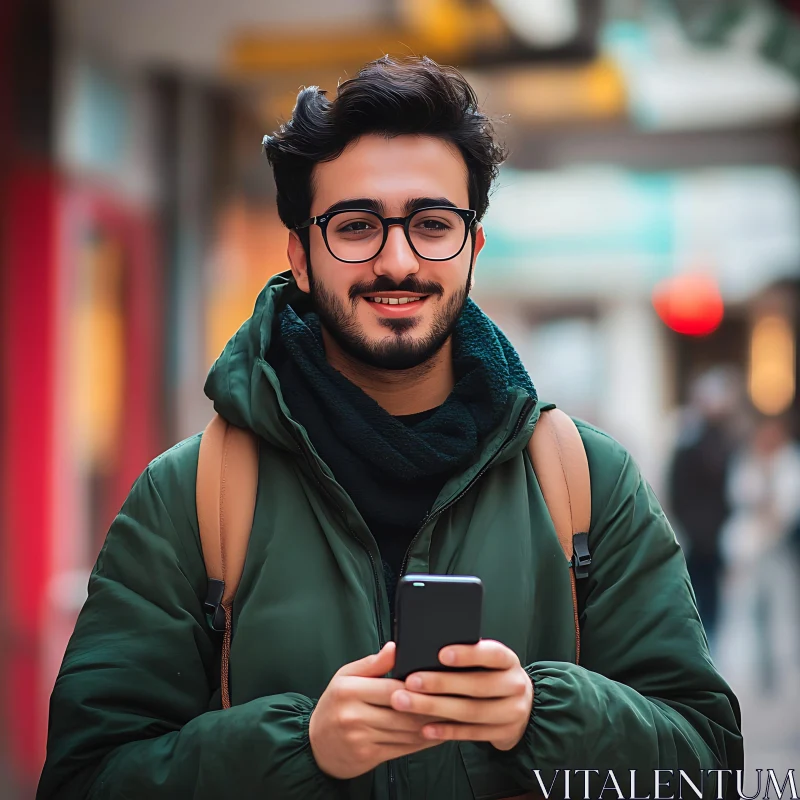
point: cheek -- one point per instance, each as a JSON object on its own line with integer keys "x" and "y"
{"x": 455, "y": 279}
{"x": 337, "y": 279}
{"x": 326, "y": 269}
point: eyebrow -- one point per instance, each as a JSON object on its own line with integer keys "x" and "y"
{"x": 421, "y": 202}
{"x": 368, "y": 203}
{"x": 379, "y": 207}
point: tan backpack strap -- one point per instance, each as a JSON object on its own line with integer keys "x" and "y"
{"x": 562, "y": 469}
{"x": 227, "y": 480}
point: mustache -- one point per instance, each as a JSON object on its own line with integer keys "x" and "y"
{"x": 384, "y": 284}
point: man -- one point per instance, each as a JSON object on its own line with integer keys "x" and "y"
{"x": 697, "y": 483}
{"x": 394, "y": 418}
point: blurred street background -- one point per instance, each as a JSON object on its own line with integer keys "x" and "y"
{"x": 643, "y": 255}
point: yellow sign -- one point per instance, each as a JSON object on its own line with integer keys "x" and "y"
{"x": 445, "y": 30}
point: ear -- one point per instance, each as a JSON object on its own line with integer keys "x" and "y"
{"x": 480, "y": 241}
{"x": 299, "y": 261}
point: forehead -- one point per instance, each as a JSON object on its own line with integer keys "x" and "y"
{"x": 392, "y": 170}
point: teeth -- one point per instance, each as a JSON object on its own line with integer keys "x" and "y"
{"x": 394, "y": 301}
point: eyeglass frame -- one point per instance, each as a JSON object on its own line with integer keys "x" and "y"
{"x": 467, "y": 214}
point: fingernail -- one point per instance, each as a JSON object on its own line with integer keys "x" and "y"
{"x": 448, "y": 657}
{"x": 402, "y": 700}
{"x": 432, "y": 733}
{"x": 414, "y": 682}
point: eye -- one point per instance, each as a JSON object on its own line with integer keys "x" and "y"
{"x": 355, "y": 226}
{"x": 434, "y": 225}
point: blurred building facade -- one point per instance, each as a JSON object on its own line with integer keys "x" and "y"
{"x": 651, "y": 195}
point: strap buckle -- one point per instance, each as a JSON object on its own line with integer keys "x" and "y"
{"x": 581, "y": 557}
{"x": 213, "y": 604}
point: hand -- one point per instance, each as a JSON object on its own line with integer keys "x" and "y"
{"x": 493, "y": 706}
{"x": 354, "y": 727}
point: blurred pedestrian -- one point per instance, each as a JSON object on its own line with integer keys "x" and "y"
{"x": 764, "y": 492}
{"x": 697, "y": 482}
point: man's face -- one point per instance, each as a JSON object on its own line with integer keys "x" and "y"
{"x": 392, "y": 176}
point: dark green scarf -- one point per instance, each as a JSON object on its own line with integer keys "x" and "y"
{"x": 485, "y": 365}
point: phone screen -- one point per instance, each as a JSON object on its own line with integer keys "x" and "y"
{"x": 432, "y": 612}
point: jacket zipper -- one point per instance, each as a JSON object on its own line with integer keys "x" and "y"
{"x": 310, "y": 458}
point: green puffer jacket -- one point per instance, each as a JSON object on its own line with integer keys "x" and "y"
{"x": 135, "y": 712}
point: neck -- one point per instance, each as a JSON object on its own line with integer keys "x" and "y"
{"x": 398, "y": 392}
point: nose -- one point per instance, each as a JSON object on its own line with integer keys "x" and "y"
{"x": 397, "y": 260}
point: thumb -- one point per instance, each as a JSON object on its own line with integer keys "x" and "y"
{"x": 374, "y": 666}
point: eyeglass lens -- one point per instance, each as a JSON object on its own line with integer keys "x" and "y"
{"x": 434, "y": 233}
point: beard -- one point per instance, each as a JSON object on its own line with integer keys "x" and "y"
{"x": 399, "y": 350}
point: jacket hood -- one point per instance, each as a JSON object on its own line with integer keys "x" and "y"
{"x": 242, "y": 385}
{"x": 246, "y": 392}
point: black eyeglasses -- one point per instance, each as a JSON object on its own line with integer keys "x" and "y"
{"x": 355, "y": 235}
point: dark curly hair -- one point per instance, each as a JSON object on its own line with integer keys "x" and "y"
{"x": 391, "y": 97}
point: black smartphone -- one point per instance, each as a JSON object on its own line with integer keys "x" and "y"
{"x": 432, "y": 611}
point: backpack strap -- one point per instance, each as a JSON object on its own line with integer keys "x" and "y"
{"x": 562, "y": 469}
{"x": 227, "y": 480}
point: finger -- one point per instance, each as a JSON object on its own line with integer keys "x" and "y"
{"x": 493, "y": 683}
{"x": 387, "y": 720}
{"x": 499, "y": 711}
{"x": 374, "y": 666}
{"x": 443, "y": 732}
{"x": 375, "y": 691}
{"x": 485, "y": 653}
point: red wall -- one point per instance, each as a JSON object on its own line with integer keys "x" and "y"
{"x": 28, "y": 296}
